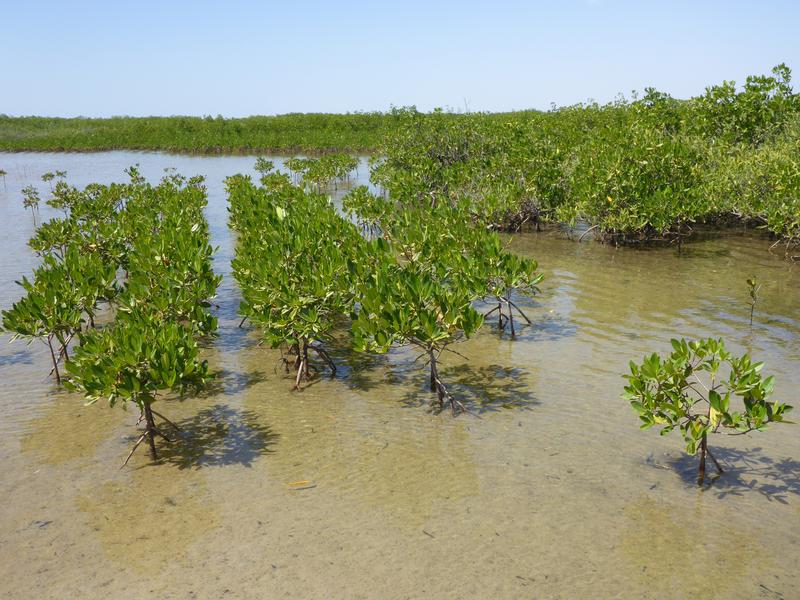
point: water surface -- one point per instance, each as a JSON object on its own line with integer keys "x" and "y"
{"x": 552, "y": 493}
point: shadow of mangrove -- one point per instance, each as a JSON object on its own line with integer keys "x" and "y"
{"x": 489, "y": 388}
{"x": 358, "y": 369}
{"x": 747, "y": 470}
{"x": 543, "y": 327}
{"x": 20, "y": 357}
{"x": 230, "y": 382}
{"x": 549, "y": 329}
{"x": 217, "y": 436}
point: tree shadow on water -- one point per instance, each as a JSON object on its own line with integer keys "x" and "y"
{"x": 543, "y": 327}
{"x": 747, "y": 470}
{"x": 217, "y": 436}
{"x": 550, "y": 329}
{"x": 20, "y": 357}
{"x": 230, "y": 382}
{"x": 358, "y": 369}
{"x": 483, "y": 389}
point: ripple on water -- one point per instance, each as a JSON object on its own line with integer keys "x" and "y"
{"x": 351, "y": 488}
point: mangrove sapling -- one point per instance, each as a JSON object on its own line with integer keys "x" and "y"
{"x": 297, "y": 167}
{"x": 501, "y": 273}
{"x": 369, "y": 211}
{"x": 753, "y": 287}
{"x": 67, "y": 198}
{"x": 404, "y": 305}
{"x": 31, "y": 199}
{"x": 133, "y": 361}
{"x": 54, "y": 237}
{"x": 50, "y": 310}
{"x": 693, "y": 389}
{"x": 48, "y": 178}
{"x": 263, "y": 166}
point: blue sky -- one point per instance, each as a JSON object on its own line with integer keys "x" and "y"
{"x": 239, "y": 58}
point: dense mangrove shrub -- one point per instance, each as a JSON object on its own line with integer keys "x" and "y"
{"x": 695, "y": 390}
{"x": 750, "y": 115}
{"x": 636, "y": 182}
{"x": 296, "y": 260}
{"x": 762, "y": 185}
{"x": 309, "y": 132}
{"x": 634, "y": 172}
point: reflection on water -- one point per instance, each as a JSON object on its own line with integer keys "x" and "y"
{"x": 351, "y": 488}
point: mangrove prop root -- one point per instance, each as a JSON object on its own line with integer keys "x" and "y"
{"x": 519, "y": 310}
{"x": 443, "y": 396}
{"x": 504, "y": 319}
{"x": 166, "y": 420}
{"x": 62, "y": 353}
{"x": 150, "y": 430}
{"x": 716, "y": 463}
{"x": 53, "y": 356}
{"x": 299, "y": 375}
{"x": 161, "y": 433}
{"x": 323, "y": 354}
{"x": 302, "y": 364}
{"x": 135, "y": 446}
{"x": 510, "y": 316}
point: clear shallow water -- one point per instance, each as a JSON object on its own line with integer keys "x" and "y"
{"x": 552, "y": 493}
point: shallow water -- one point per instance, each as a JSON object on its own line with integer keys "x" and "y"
{"x": 552, "y": 493}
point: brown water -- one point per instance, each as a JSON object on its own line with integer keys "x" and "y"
{"x": 553, "y": 493}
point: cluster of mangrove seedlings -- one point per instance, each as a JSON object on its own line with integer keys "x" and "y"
{"x": 402, "y": 275}
{"x": 138, "y": 257}
{"x": 122, "y": 295}
{"x": 327, "y": 171}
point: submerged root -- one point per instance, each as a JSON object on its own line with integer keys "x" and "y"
{"x": 135, "y": 446}
{"x": 505, "y": 314}
{"x": 443, "y": 395}
{"x": 150, "y": 432}
{"x": 302, "y": 365}
{"x": 705, "y": 451}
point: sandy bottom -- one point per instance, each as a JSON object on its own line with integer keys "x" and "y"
{"x": 353, "y": 489}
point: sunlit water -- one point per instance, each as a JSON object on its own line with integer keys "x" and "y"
{"x": 552, "y": 493}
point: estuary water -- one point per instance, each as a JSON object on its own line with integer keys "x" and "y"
{"x": 351, "y": 488}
